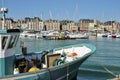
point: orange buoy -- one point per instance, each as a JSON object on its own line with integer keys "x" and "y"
{"x": 74, "y": 54}
{"x": 33, "y": 69}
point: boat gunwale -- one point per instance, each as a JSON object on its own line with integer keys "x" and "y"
{"x": 92, "y": 47}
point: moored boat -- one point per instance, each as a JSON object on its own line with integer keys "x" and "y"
{"x": 60, "y": 63}
{"x": 78, "y": 35}
{"x": 113, "y": 36}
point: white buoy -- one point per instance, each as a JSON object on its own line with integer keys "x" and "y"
{"x": 16, "y": 71}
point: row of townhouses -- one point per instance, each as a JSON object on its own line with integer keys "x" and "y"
{"x": 82, "y": 25}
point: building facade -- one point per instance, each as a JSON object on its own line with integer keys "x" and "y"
{"x": 52, "y": 25}
{"x": 68, "y": 25}
{"x": 88, "y": 24}
{"x": 33, "y": 24}
{"x": 112, "y": 26}
{"x": 37, "y": 24}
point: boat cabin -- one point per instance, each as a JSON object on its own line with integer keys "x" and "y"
{"x": 8, "y": 41}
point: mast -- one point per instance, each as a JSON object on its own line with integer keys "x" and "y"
{"x": 4, "y": 10}
{"x": 8, "y": 41}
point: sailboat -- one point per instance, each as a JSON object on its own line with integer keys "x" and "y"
{"x": 57, "y": 64}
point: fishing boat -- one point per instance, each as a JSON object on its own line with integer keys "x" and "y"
{"x": 56, "y": 64}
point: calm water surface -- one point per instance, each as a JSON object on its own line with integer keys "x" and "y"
{"x": 107, "y": 55}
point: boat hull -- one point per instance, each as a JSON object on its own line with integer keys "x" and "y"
{"x": 67, "y": 71}
{"x": 7, "y": 68}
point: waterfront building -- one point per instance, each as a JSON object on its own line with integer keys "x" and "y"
{"x": 112, "y": 26}
{"x": 30, "y": 23}
{"x": 118, "y": 27}
{"x": 14, "y": 24}
{"x": 75, "y": 27}
{"x": 84, "y": 24}
{"x": 88, "y": 24}
{"x": 37, "y": 24}
{"x": 68, "y": 25}
{"x": 19, "y": 23}
{"x": 10, "y": 23}
{"x": 51, "y": 25}
{"x": 33, "y": 24}
{"x": 41, "y": 25}
{"x": 24, "y": 26}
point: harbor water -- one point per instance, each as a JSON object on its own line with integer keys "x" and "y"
{"x": 99, "y": 66}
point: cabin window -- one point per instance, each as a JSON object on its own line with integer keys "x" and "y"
{"x": 17, "y": 37}
{"x": 4, "y": 40}
{"x": 12, "y": 41}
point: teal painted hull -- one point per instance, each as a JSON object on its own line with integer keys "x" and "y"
{"x": 66, "y": 71}
{"x": 8, "y": 66}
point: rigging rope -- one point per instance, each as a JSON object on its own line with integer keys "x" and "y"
{"x": 109, "y": 71}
